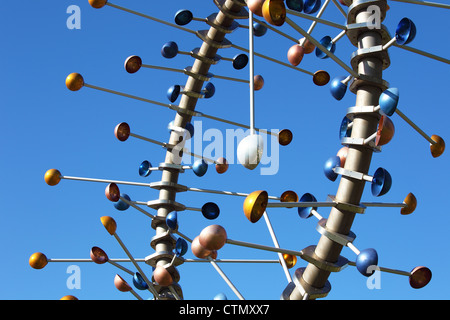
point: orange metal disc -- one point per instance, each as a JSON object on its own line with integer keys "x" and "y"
{"x": 411, "y": 204}
{"x": 255, "y": 204}
{"x": 385, "y": 131}
{"x": 110, "y": 224}
{"x": 97, "y": 4}
{"x": 321, "y": 78}
{"x": 290, "y": 260}
{"x": 438, "y": 148}
{"x": 274, "y": 11}
{"x": 289, "y": 196}
{"x": 285, "y": 137}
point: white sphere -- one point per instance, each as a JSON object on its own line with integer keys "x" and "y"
{"x": 250, "y": 151}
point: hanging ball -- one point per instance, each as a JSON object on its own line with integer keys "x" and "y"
{"x": 405, "y": 32}
{"x": 162, "y": 276}
{"x": 122, "y": 131}
{"x": 289, "y": 196}
{"x": 321, "y": 78}
{"x": 121, "y": 284}
{"x": 420, "y": 277}
{"x": 290, "y": 260}
{"x": 305, "y": 212}
{"x": 221, "y": 165}
{"x": 259, "y": 30}
{"x": 255, "y": 205}
{"x": 74, "y": 81}
{"x": 411, "y": 204}
{"x": 285, "y": 137}
{"x": 97, "y": 4}
{"x": 274, "y": 11}
{"x": 381, "y": 183}
{"x": 250, "y": 151}
{"x": 69, "y": 297}
{"x": 38, "y": 260}
{"x": 210, "y": 210}
{"x": 183, "y": 17}
{"x": 200, "y": 167}
{"x": 328, "y": 43}
{"x": 198, "y": 250}
{"x": 133, "y": 64}
{"x": 98, "y": 255}
{"x": 112, "y": 192}
{"x": 388, "y": 101}
{"x": 338, "y": 88}
{"x": 329, "y": 166}
{"x": 366, "y": 261}
{"x": 220, "y": 296}
{"x": 52, "y": 177}
{"x": 296, "y": 5}
{"x": 258, "y": 82}
{"x": 439, "y": 147}
{"x": 240, "y": 61}
{"x": 385, "y": 131}
{"x": 295, "y": 54}
{"x": 172, "y": 220}
{"x": 122, "y": 205}
{"x": 110, "y": 224}
{"x": 255, "y": 6}
{"x": 169, "y": 50}
{"x": 311, "y": 6}
{"x": 139, "y": 282}
{"x": 181, "y": 247}
{"x": 342, "y": 154}
{"x": 307, "y": 45}
{"x": 213, "y": 237}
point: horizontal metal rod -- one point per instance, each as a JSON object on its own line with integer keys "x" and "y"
{"x": 231, "y": 193}
{"x": 268, "y": 26}
{"x": 234, "y": 260}
{"x": 388, "y": 270}
{"x": 90, "y": 260}
{"x": 423, "y": 53}
{"x": 266, "y": 248}
{"x": 140, "y": 184}
{"x": 322, "y": 21}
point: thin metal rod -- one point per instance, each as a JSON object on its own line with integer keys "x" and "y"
{"x": 316, "y": 214}
{"x": 231, "y": 193}
{"x": 268, "y": 26}
{"x": 276, "y": 244}
{"x": 426, "y": 3}
{"x": 266, "y": 248}
{"x": 339, "y": 36}
{"x": 252, "y": 73}
{"x": 390, "y": 43}
{"x": 319, "y": 14}
{"x": 340, "y": 8}
{"x": 226, "y": 279}
{"x": 136, "y": 295}
{"x": 388, "y": 270}
{"x": 234, "y": 260}
{"x": 90, "y": 260}
{"x": 183, "y": 236}
{"x": 330, "y": 204}
{"x": 415, "y": 127}
{"x": 121, "y": 267}
{"x": 423, "y": 53}
{"x": 353, "y": 248}
{"x": 316, "y": 19}
{"x": 140, "y": 184}
{"x": 321, "y": 47}
{"x": 133, "y": 204}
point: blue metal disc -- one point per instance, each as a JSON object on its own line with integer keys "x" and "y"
{"x": 144, "y": 168}
{"x": 183, "y": 17}
{"x": 169, "y": 50}
{"x": 388, "y": 101}
{"x": 200, "y": 167}
{"x": 305, "y": 212}
{"x": 405, "y": 32}
{"x": 381, "y": 183}
{"x": 330, "y": 164}
{"x": 259, "y": 30}
{"x": 366, "y": 261}
{"x": 240, "y": 61}
{"x": 190, "y": 128}
{"x": 328, "y": 43}
{"x": 122, "y": 205}
{"x": 311, "y": 6}
{"x": 296, "y": 5}
{"x": 139, "y": 282}
{"x": 209, "y": 90}
{"x": 172, "y": 220}
{"x": 337, "y": 88}
{"x": 210, "y": 210}
{"x": 220, "y": 296}
{"x": 344, "y": 129}
{"x": 181, "y": 247}
{"x": 173, "y": 93}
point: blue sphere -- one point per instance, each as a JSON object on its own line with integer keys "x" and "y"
{"x": 183, "y": 17}
{"x": 210, "y": 89}
{"x": 296, "y": 5}
{"x": 173, "y": 93}
{"x": 381, "y": 183}
{"x": 305, "y": 212}
{"x": 122, "y": 205}
{"x": 344, "y": 129}
{"x": 240, "y": 61}
{"x": 144, "y": 168}
{"x": 330, "y": 164}
{"x": 190, "y": 128}
{"x": 388, "y": 101}
{"x": 220, "y": 296}
{"x": 337, "y": 88}
{"x": 200, "y": 167}
{"x": 172, "y": 220}
{"x": 366, "y": 261}
{"x": 169, "y": 50}
{"x": 210, "y": 210}
{"x": 181, "y": 247}
{"x": 258, "y": 29}
{"x": 405, "y": 32}
{"x": 311, "y": 6}
{"x": 139, "y": 282}
{"x": 328, "y": 43}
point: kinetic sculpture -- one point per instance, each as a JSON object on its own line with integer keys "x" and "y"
{"x": 366, "y": 127}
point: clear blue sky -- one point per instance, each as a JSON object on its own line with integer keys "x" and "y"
{"x": 47, "y": 126}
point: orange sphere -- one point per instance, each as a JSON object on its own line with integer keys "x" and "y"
{"x": 52, "y": 177}
{"x": 213, "y": 237}
{"x": 74, "y": 81}
{"x": 221, "y": 165}
{"x": 285, "y": 137}
{"x": 121, "y": 284}
{"x": 162, "y": 276}
{"x": 274, "y": 11}
{"x": 255, "y": 204}
{"x": 307, "y": 45}
{"x": 438, "y": 148}
{"x": 38, "y": 260}
{"x": 112, "y": 192}
{"x": 110, "y": 224}
{"x": 122, "y": 131}
{"x": 69, "y": 297}
{"x": 198, "y": 250}
{"x": 290, "y": 260}
{"x": 295, "y": 54}
{"x": 411, "y": 204}
{"x": 97, "y": 4}
{"x": 258, "y": 82}
{"x": 255, "y": 6}
{"x": 289, "y": 196}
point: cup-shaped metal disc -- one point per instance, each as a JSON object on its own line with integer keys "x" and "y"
{"x": 307, "y": 45}
{"x": 198, "y": 250}
{"x": 321, "y": 78}
{"x": 112, "y": 192}
{"x": 172, "y": 220}
{"x": 296, "y": 5}
{"x": 69, "y": 297}
{"x": 366, "y": 262}
{"x": 122, "y": 205}
{"x": 221, "y": 165}
{"x": 144, "y": 168}
{"x": 210, "y": 89}
{"x": 311, "y": 6}
{"x": 388, "y": 101}
{"x": 259, "y": 30}
{"x": 200, "y": 167}
{"x": 169, "y": 50}
{"x": 133, "y": 64}
{"x": 183, "y": 17}
{"x": 181, "y": 247}
{"x": 411, "y": 204}
{"x": 285, "y": 137}
{"x": 338, "y": 88}
{"x": 97, "y": 4}
{"x": 139, "y": 282}
{"x": 290, "y": 260}
{"x": 74, "y": 81}
{"x": 210, "y": 210}
{"x": 255, "y": 6}
{"x": 258, "y": 82}
{"x": 295, "y": 54}
{"x": 110, "y": 224}
{"x": 121, "y": 284}
{"x": 342, "y": 154}
{"x": 385, "y": 131}
{"x": 405, "y": 32}
{"x": 122, "y": 131}
{"x": 162, "y": 276}
{"x": 274, "y": 11}
{"x": 173, "y": 92}
{"x": 329, "y": 166}
{"x": 250, "y": 151}
{"x": 98, "y": 255}
{"x": 240, "y": 61}
{"x": 305, "y": 212}
{"x": 38, "y": 260}
{"x": 52, "y": 177}
{"x": 420, "y": 277}
{"x": 289, "y": 196}
{"x": 381, "y": 183}
{"x": 255, "y": 204}
{"x": 220, "y": 296}
{"x": 345, "y": 130}
{"x": 328, "y": 43}
{"x": 439, "y": 147}
{"x": 213, "y": 237}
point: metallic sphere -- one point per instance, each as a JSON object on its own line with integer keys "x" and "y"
{"x": 385, "y": 131}
{"x": 290, "y": 260}
{"x": 342, "y": 154}
{"x": 420, "y": 277}
{"x": 52, "y": 177}
{"x": 258, "y": 82}
{"x": 307, "y": 45}
{"x": 198, "y": 250}
{"x": 321, "y": 78}
{"x": 112, "y": 192}
{"x": 221, "y": 165}
{"x": 97, "y": 4}
{"x": 74, "y": 81}
{"x": 366, "y": 261}
{"x": 285, "y": 137}
{"x": 122, "y": 131}
{"x": 255, "y": 204}
{"x": 213, "y": 237}
{"x": 295, "y": 54}
{"x": 38, "y": 260}
{"x": 139, "y": 282}
{"x": 411, "y": 204}
{"x": 121, "y": 284}
{"x": 255, "y": 6}
{"x": 98, "y": 255}
{"x": 162, "y": 276}
{"x": 289, "y": 196}
{"x": 69, "y": 297}
{"x": 110, "y": 224}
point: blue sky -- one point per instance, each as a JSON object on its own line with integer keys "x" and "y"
{"x": 47, "y": 126}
